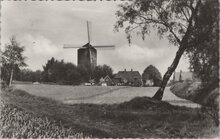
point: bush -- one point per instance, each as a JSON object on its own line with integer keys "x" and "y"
{"x": 4, "y": 85}
{"x": 212, "y": 112}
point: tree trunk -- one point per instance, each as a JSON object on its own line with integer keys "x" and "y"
{"x": 179, "y": 53}
{"x": 11, "y": 77}
{"x": 167, "y": 75}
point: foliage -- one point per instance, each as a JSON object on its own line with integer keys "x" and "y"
{"x": 138, "y": 83}
{"x": 60, "y": 72}
{"x": 12, "y": 59}
{"x": 29, "y": 75}
{"x": 152, "y": 73}
{"x": 5, "y": 70}
{"x": 170, "y": 18}
{"x": 213, "y": 112}
{"x": 85, "y": 73}
{"x": 204, "y": 53}
{"x": 72, "y": 74}
{"x": 101, "y": 71}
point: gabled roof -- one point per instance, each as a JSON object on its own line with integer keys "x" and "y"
{"x": 107, "y": 77}
{"x": 128, "y": 75}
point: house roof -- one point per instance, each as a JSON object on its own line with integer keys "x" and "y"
{"x": 128, "y": 75}
{"x": 107, "y": 77}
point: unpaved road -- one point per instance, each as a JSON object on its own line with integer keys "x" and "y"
{"x": 126, "y": 94}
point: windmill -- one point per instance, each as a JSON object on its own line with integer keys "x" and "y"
{"x": 87, "y": 54}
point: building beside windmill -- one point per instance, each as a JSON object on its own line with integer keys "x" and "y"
{"x": 106, "y": 81}
{"x": 183, "y": 76}
{"x": 132, "y": 78}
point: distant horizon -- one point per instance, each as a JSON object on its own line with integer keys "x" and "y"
{"x": 127, "y": 69}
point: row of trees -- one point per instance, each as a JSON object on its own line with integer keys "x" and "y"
{"x": 57, "y": 71}
{"x": 54, "y": 71}
{"x": 68, "y": 73}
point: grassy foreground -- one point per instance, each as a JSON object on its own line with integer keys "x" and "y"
{"x": 25, "y": 115}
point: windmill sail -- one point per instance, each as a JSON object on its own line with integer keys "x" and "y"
{"x": 72, "y": 46}
{"x": 103, "y": 46}
{"x": 88, "y": 31}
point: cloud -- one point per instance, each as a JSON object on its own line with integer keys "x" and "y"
{"x": 135, "y": 52}
{"x": 43, "y": 27}
{"x": 39, "y": 45}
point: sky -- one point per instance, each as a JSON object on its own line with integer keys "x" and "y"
{"x": 44, "y": 27}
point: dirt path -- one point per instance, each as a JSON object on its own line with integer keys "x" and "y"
{"x": 97, "y": 95}
{"x": 125, "y": 94}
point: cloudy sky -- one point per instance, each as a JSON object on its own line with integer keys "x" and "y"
{"x": 43, "y": 28}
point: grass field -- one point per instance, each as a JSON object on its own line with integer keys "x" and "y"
{"x": 25, "y": 115}
{"x": 66, "y": 92}
{"x": 99, "y": 94}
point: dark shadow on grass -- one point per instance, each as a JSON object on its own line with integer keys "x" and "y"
{"x": 139, "y": 117}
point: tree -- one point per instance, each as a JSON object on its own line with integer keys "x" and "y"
{"x": 152, "y": 73}
{"x": 46, "y": 73}
{"x": 13, "y": 58}
{"x": 60, "y": 72}
{"x": 174, "y": 19}
{"x": 101, "y": 71}
{"x": 29, "y": 75}
{"x": 85, "y": 73}
{"x": 72, "y": 75}
{"x": 204, "y": 57}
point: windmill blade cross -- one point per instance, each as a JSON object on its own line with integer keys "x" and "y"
{"x": 88, "y": 31}
{"x": 66, "y": 46}
{"x": 104, "y": 46}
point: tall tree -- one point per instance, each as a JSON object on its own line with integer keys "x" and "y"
{"x": 204, "y": 56}
{"x": 174, "y": 19}
{"x": 60, "y": 72}
{"x": 152, "y": 73}
{"x": 47, "y": 70}
{"x": 85, "y": 73}
{"x": 13, "y": 58}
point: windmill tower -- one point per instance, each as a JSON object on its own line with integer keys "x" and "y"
{"x": 87, "y": 54}
{"x": 87, "y": 57}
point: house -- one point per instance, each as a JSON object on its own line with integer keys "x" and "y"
{"x": 132, "y": 78}
{"x": 183, "y": 76}
{"x": 106, "y": 81}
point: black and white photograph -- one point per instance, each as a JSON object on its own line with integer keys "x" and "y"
{"x": 109, "y": 68}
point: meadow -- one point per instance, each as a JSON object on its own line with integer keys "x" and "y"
{"x": 99, "y": 94}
